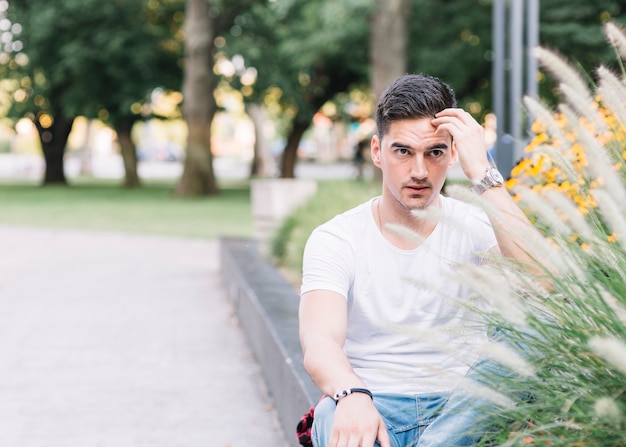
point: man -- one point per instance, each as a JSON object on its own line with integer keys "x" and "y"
{"x": 379, "y": 310}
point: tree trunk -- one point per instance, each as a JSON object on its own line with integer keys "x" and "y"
{"x": 290, "y": 154}
{"x": 129, "y": 155}
{"x": 199, "y": 107}
{"x": 262, "y": 162}
{"x": 85, "y": 150}
{"x": 388, "y": 46}
{"x": 53, "y": 140}
{"x": 389, "y": 42}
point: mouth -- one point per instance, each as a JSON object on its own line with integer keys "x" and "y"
{"x": 418, "y": 190}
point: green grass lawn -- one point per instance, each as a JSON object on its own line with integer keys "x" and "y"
{"x": 102, "y": 205}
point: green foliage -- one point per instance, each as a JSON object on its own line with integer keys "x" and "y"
{"x": 565, "y": 326}
{"x": 452, "y": 40}
{"x": 93, "y": 58}
{"x": 573, "y": 29}
{"x": 309, "y": 50}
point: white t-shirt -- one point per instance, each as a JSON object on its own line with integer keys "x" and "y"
{"x": 407, "y": 331}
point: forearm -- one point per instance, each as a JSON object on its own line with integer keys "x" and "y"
{"x": 328, "y": 366}
{"x": 514, "y": 232}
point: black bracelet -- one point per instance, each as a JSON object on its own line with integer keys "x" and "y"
{"x": 345, "y": 393}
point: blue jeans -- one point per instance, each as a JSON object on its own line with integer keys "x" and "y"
{"x": 409, "y": 419}
{"x": 459, "y": 419}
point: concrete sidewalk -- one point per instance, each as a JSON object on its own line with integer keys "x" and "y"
{"x": 116, "y": 340}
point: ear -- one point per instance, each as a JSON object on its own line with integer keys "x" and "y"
{"x": 375, "y": 150}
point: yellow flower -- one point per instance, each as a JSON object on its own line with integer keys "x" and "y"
{"x": 537, "y": 127}
{"x": 512, "y": 183}
{"x": 612, "y": 238}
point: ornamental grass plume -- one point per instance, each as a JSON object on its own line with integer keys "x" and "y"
{"x": 570, "y": 333}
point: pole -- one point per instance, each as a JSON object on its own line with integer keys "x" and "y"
{"x": 516, "y": 90}
{"x": 532, "y": 32}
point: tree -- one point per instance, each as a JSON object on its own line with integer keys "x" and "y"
{"x": 389, "y": 34}
{"x": 206, "y": 20}
{"x": 86, "y": 57}
{"x": 304, "y": 54}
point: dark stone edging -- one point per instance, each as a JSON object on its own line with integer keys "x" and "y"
{"x": 267, "y": 308}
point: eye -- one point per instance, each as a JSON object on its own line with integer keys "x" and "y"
{"x": 402, "y": 151}
{"x": 436, "y": 153}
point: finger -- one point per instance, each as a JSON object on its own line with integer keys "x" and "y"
{"x": 451, "y": 128}
{"x": 334, "y": 439}
{"x": 368, "y": 440}
{"x": 383, "y": 436}
{"x": 458, "y": 113}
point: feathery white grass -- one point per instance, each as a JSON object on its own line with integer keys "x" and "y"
{"x": 611, "y": 213}
{"x": 506, "y": 357}
{"x": 616, "y": 37}
{"x": 601, "y": 167}
{"x": 611, "y": 349}
{"x": 557, "y": 158}
{"x": 496, "y": 290}
{"x": 606, "y": 409}
{"x": 405, "y": 232}
{"x": 540, "y": 111}
{"x": 466, "y": 195}
{"x": 617, "y": 307}
{"x": 583, "y": 105}
{"x": 487, "y": 393}
{"x": 613, "y": 93}
{"x": 532, "y": 238}
{"x": 562, "y": 70}
{"x": 531, "y": 200}
{"x": 571, "y": 213}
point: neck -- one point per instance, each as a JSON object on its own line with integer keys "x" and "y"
{"x": 386, "y": 217}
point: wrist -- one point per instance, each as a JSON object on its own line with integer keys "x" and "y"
{"x": 492, "y": 178}
{"x": 344, "y": 393}
{"x": 478, "y": 174}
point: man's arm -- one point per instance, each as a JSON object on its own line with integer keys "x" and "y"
{"x": 323, "y": 322}
{"x": 511, "y": 226}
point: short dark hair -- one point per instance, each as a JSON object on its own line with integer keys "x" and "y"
{"x": 412, "y": 96}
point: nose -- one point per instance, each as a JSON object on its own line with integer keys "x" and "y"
{"x": 419, "y": 169}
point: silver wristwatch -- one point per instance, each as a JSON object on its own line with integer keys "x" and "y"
{"x": 493, "y": 178}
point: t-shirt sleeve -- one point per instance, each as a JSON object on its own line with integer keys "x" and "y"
{"x": 483, "y": 231}
{"x": 328, "y": 262}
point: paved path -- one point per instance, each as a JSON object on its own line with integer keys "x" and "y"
{"x": 114, "y": 340}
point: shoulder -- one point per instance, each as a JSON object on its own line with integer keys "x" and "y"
{"x": 348, "y": 223}
{"x": 463, "y": 211}
{"x": 469, "y": 223}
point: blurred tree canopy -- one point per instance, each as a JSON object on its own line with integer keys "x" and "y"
{"x": 304, "y": 54}
{"x": 102, "y": 60}
{"x": 92, "y": 58}
{"x": 574, "y": 29}
{"x": 453, "y": 40}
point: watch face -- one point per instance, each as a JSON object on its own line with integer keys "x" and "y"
{"x": 496, "y": 177}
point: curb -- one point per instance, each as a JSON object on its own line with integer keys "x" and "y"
{"x": 267, "y": 308}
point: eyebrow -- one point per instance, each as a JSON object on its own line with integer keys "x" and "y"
{"x": 439, "y": 146}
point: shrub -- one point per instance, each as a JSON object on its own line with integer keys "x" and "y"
{"x": 570, "y": 335}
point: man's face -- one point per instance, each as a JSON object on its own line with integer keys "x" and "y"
{"x": 414, "y": 160}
